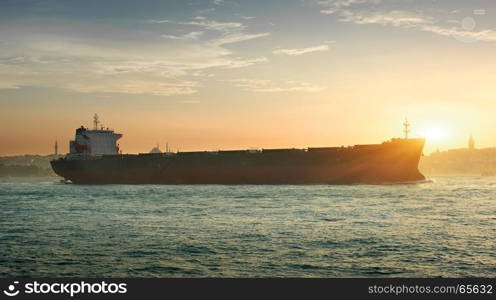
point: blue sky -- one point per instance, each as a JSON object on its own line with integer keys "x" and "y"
{"x": 229, "y": 74}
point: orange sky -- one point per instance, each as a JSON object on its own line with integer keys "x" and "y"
{"x": 251, "y": 75}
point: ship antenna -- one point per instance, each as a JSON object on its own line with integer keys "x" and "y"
{"x": 95, "y": 121}
{"x": 406, "y": 129}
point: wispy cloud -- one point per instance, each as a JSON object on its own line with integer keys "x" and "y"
{"x": 194, "y": 35}
{"x": 156, "y": 64}
{"x": 240, "y": 63}
{"x": 351, "y": 11}
{"x": 396, "y": 18}
{"x": 228, "y": 32}
{"x": 138, "y": 87}
{"x": 238, "y": 37}
{"x": 231, "y": 32}
{"x": 269, "y": 86}
{"x": 205, "y": 23}
{"x": 245, "y": 17}
{"x": 418, "y": 21}
{"x": 332, "y": 6}
{"x": 301, "y": 51}
{"x": 461, "y": 34}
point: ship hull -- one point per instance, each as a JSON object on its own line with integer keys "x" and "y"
{"x": 390, "y": 162}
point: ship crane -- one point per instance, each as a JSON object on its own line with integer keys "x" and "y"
{"x": 406, "y": 128}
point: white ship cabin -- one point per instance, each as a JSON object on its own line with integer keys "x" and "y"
{"x": 94, "y": 142}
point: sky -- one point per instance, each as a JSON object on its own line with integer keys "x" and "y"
{"x": 232, "y": 74}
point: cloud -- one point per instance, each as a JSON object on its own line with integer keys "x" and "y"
{"x": 301, "y": 51}
{"x": 396, "y": 18}
{"x": 245, "y": 17}
{"x": 138, "y": 87}
{"x": 462, "y": 35}
{"x": 404, "y": 19}
{"x": 205, "y": 23}
{"x": 164, "y": 78}
{"x": 238, "y": 37}
{"x": 92, "y": 75}
{"x": 120, "y": 61}
{"x": 332, "y": 6}
{"x": 328, "y": 11}
{"x": 194, "y": 35}
{"x": 205, "y": 11}
{"x": 269, "y": 86}
{"x": 351, "y": 11}
{"x": 231, "y": 32}
{"x": 233, "y": 64}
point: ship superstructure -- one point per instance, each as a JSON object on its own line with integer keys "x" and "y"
{"x": 94, "y": 142}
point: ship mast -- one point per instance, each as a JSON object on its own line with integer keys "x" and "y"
{"x": 406, "y": 128}
{"x": 95, "y": 122}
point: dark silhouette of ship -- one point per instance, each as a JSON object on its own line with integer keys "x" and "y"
{"x": 94, "y": 158}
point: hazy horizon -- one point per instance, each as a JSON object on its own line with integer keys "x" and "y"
{"x": 62, "y": 150}
{"x": 222, "y": 74}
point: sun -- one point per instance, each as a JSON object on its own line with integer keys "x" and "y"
{"x": 435, "y": 133}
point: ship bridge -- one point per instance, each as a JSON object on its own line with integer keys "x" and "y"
{"x": 94, "y": 142}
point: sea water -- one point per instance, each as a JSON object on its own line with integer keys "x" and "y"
{"x": 443, "y": 228}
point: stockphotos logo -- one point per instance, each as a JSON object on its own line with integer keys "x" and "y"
{"x": 11, "y": 290}
{"x": 71, "y": 288}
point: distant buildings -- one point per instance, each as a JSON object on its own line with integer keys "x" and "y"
{"x": 26, "y": 166}
{"x": 461, "y": 161}
{"x": 156, "y": 149}
{"x": 471, "y": 143}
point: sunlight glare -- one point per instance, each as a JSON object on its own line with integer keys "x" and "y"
{"x": 435, "y": 133}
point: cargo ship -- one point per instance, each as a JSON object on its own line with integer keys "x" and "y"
{"x": 95, "y": 158}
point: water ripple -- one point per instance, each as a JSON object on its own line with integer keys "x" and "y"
{"x": 440, "y": 229}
